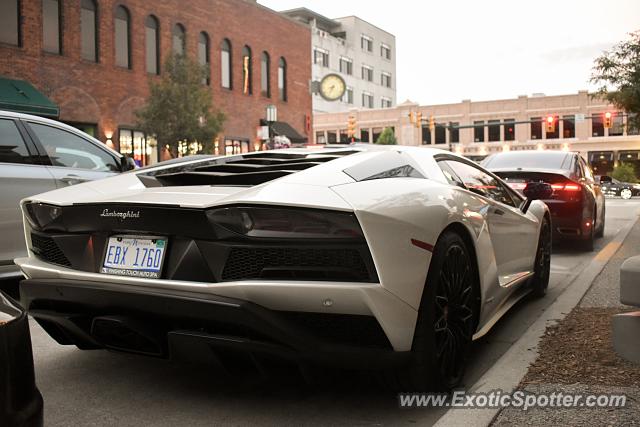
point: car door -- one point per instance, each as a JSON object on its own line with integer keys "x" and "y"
{"x": 73, "y": 158}
{"x": 512, "y": 233}
{"x": 21, "y": 176}
{"x": 596, "y": 189}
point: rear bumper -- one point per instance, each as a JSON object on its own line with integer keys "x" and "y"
{"x": 569, "y": 219}
{"x": 200, "y": 326}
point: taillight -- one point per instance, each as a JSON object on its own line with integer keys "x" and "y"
{"x": 566, "y": 187}
{"x": 41, "y": 215}
{"x": 286, "y": 223}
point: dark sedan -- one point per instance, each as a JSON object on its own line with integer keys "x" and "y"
{"x": 577, "y": 204}
{"x": 613, "y": 187}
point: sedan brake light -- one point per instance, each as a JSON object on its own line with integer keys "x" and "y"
{"x": 566, "y": 187}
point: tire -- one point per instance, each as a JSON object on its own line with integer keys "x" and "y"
{"x": 542, "y": 268}
{"x": 626, "y": 193}
{"x": 587, "y": 243}
{"x": 444, "y": 328}
{"x": 600, "y": 230}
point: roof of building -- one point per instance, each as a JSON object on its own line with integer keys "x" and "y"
{"x": 307, "y": 15}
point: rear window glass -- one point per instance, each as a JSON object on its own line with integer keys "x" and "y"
{"x": 542, "y": 160}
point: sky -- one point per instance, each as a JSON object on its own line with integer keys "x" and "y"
{"x": 450, "y": 50}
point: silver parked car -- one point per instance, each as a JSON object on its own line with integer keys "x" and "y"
{"x": 38, "y": 155}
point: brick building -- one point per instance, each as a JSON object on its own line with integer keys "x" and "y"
{"x": 95, "y": 59}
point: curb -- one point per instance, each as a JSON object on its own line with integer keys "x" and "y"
{"x": 509, "y": 370}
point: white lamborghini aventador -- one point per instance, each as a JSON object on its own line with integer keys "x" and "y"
{"x": 390, "y": 258}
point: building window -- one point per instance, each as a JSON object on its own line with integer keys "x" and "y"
{"x": 536, "y": 127}
{"x": 478, "y": 131}
{"x": 385, "y": 51}
{"x": 10, "y": 22}
{"x": 122, "y": 37}
{"x": 321, "y": 57}
{"x": 367, "y": 73}
{"x": 51, "y": 34}
{"x": 246, "y": 71}
{"x": 235, "y": 146}
{"x": 454, "y": 132}
{"x": 426, "y": 135}
{"x": 597, "y": 125}
{"x": 617, "y": 126}
{"x": 509, "y": 129}
{"x": 364, "y": 135}
{"x": 265, "y": 75}
{"x": 494, "y": 130}
{"x": 332, "y": 137}
{"x": 441, "y": 134}
{"x": 320, "y": 138}
{"x": 89, "y": 30}
{"x": 137, "y": 145}
{"x": 632, "y": 130}
{"x": 346, "y": 65}
{"x": 225, "y": 64}
{"x": 203, "y": 56}
{"x": 152, "y": 46}
{"x": 366, "y": 43}
{"x": 282, "y": 79}
{"x": 178, "y": 40}
{"x": 385, "y": 102}
{"x": 375, "y": 134}
{"x": 348, "y": 95}
{"x": 367, "y": 100}
{"x": 385, "y": 79}
{"x": 569, "y": 126}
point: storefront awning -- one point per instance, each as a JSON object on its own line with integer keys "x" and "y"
{"x": 285, "y": 129}
{"x": 21, "y": 97}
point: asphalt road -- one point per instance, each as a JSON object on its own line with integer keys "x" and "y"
{"x": 104, "y": 389}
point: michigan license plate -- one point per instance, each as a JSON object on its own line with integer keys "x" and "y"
{"x": 134, "y": 256}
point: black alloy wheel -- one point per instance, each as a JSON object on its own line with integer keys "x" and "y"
{"x": 447, "y": 320}
{"x": 542, "y": 268}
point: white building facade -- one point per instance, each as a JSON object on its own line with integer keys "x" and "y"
{"x": 361, "y": 53}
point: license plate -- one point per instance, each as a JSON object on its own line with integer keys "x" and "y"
{"x": 134, "y": 256}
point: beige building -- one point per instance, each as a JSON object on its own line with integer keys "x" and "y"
{"x": 478, "y": 129}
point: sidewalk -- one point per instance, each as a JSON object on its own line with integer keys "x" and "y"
{"x": 576, "y": 356}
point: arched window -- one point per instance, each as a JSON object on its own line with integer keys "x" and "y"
{"x": 178, "y": 39}
{"x": 10, "y": 22}
{"x": 152, "y": 44}
{"x": 246, "y": 71}
{"x": 225, "y": 64}
{"x": 282, "y": 79}
{"x": 51, "y": 33}
{"x": 89, "y": 30}
{"x": 203, "y": 55}
{"x": 123, "y": 37}
{"x": 265, "y": 73}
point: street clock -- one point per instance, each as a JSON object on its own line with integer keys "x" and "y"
{"x": 332, "y": 87}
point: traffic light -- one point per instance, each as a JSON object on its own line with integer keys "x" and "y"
{"x": 551, "y": 124}
{"x": 412, "y": 119}
{"x": 432, "y": 123}
{"x": 418, "y": 119}
{"x": 351, "y": 127}
{"x": 608, "y": 120}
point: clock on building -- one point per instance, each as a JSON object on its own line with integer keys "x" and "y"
{"x": 332, "y": 87}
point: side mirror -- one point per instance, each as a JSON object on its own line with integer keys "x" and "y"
{"x": 128, "y": 164}
{"x": 536, "y": 191}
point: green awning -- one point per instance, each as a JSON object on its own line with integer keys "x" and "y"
{"x": 22, "y": 97}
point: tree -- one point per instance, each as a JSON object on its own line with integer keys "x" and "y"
{"x": 179, "y": 110}
{"x": 617, "y": 72}
{"x": 387, "y": 137}
{"x": 624, "y": 172}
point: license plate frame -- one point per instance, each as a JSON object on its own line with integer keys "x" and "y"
{"x": 133, "y": 241}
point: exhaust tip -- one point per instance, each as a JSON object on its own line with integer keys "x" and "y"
{"x": 126, "y": 334}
